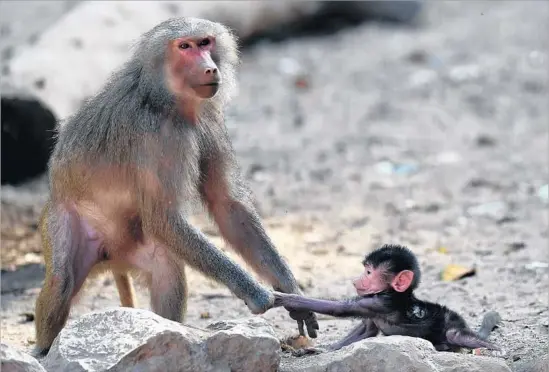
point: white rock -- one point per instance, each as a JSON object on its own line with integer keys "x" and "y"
{"x": 124, "y": 339}
{"x": 245, "y": 345}
{"x": 13, "y": 360}
{"x": 391, "y": 354}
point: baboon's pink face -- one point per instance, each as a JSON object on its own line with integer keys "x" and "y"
{"x": 191, "y": 67}
{"x": 372, "y": 280}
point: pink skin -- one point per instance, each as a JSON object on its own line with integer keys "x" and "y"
{"x": 370, "y": 281}
{"x": 375, "y": 280}
{"x": 196, "y": 62}
{"x": 193, "y": 75}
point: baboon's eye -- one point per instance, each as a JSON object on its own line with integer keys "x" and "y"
{"x": 184, "y": 45}
{"x": 204, "y": 42}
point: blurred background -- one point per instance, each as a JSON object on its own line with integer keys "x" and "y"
{"x": 356, "y": 124}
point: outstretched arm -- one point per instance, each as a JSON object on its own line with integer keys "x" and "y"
{"x": 230, "y": 204}
{"x": 365, "y": 329}
{"x": 362, "y": 306}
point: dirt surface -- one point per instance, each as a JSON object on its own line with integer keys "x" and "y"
{"x": 435, "y": 137}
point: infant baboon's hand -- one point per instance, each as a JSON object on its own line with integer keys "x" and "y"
{"x": 304, "y": 318}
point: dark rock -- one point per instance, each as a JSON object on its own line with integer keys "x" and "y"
{"x": 485, "y": 140}
{"x": 27, "y": 136}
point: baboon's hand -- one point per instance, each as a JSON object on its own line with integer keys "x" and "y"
{"x": 305, "y": 318}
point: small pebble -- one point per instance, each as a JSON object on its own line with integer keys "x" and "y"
{"x": 418, "y": 56}
{"x": 506, "y": 219}
{"x": 387, "y": 167}
{"x": 40, "y": 83}
{"x": 485, "y": 140}
{"x": 302, "y": 83}
{"x": 495, "y": 210}
{"x": 28, "y": 317}
{"x": 205, "y": 315}
{"x": 449, "y": 157}
{"x": 516, "y": 246}
{"x": 537, "y": 265}
{"x": 465, "y": 73}
{"x": 289, "y": 66}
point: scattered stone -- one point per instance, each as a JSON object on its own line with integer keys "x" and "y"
{"x": 40, "y": 83}
{"x": 465, "y": 73}
{"x": 13, "y": 360}
{"x": 481, "y": 182}
{"x": 516, "y": 246}
{"x": 321, "y": 174}
{"x": 124, "y": 339}
{"x": 302, "y": 82}
{"x": 319, "y": 252}
{"x": 387, "y": 167}
{"x": 359, "y": 222}
{"x": 506, "y": 219}
{"x": 423, "y": 77}
{"x": 390, "y": 354}
{"x": 27, "y": 317}
{"x": 289, "y": 66}
{"x": 448, "y": 157}
{"x": 537, "y": 265}
{"x": 418, "y": 56}
{"x": 431, "y": 208}
{"x": 205, "y": 315}
{"x": 483, "y": 253}
{"x": 533, "y": 86}
{"x": 485, "y": 140}
{"x": 257, "y": 172}
{"x": 495, "y": 210}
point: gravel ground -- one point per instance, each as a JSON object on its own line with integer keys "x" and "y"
{"x": 433, "y": 137}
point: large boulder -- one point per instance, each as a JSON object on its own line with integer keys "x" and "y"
{"x": 13, "y": 360}
{"x": 390, "y": 354}
{"x": 124, "y": 339}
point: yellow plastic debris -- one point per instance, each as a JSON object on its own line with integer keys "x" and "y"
{"x": 455, "y": 272}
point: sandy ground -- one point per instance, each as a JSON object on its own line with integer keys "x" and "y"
{"x": 435, "y": 138}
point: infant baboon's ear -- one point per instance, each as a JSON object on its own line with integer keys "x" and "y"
{"x": 402, "y": 281}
